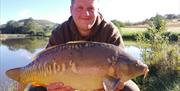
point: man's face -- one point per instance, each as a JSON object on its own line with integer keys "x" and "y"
{"x": 84, "y": 13}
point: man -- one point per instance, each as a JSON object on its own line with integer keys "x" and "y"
{"x": 86, "y": 23}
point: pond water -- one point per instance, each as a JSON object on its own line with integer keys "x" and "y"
{"x": 19, "y": 52}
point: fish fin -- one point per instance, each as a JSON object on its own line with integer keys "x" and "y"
{"x": 80, "y": 41}
{"x": 38, "y": 84}
{"x": 110, "y": 83}
{"x": 34, "y": 86}
{"x": 35, "y": 57}
{"x": 14, "y": 74}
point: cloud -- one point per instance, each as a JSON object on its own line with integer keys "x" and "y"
{"x": 56, "y": 16}
{"x": 137, "y": 10}
{"x": 25, "y": 13}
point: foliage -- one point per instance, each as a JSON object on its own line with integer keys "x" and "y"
{"x": 161, "y": 57}
{"x": 171, "y": 16}
{"x": 172, "y": 36}
{"x": 157, "y": 25}
{"x": 28, "y": 26}
{"x": 131, "y": 33}
{"x": 33, "y": 28}
{"x": 118, "y": 24}
{"x": 12, "y": 27}
{"x": 29, "y": 44}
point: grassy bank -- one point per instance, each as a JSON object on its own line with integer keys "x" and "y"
{"x": 131, "y": 33}
{"x": 11, "y": 36}
{"x": 127, "y": 33}
{"x": 14, "y": 36}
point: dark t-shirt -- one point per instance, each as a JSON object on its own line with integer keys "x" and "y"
{"x": 102, "y": 31}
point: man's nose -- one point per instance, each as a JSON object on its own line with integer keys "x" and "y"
{"x": 86, "y": 13}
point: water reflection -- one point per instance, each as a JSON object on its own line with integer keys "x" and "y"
{"x": 19, "y": 52}
{"x": 29, "y": 44}
{"x": 16, "y": 53}
{"x": 134, "y": 51}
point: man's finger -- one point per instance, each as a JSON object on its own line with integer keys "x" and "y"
{"x": 55, "y": 85}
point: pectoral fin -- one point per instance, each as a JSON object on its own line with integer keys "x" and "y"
{"x": 35, "y": 87}
{"x": 110, "y": 83}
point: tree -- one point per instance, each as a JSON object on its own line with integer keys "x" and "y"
{"x": 157, "y": 24}
{"x": 11, "y": 27}
{"x": 118, "y": 24}
{"x": 154, "y": 34}
{"x": 33, "y": 28}
{"x": 170, "y": 16}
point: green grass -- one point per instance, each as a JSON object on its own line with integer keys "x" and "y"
{"x": 130, "y": 42}
{"x": 174, "y": 29}
{"x": 131, "y": 31}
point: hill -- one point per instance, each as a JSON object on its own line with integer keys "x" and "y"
{"x": 40, "y": 22}
{"x": 172, "y": 20}
{"x": 28, "y": 26}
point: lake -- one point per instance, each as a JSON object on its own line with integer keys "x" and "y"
{"x": 19, "y": 52}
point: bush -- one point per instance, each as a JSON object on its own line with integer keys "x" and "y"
{"x": 171, "y": 36}
{"x": 162, "y": 59}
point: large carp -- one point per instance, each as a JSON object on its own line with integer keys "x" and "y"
{"x": 82, "y": 65}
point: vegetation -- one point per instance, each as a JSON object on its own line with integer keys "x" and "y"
{"x": 170, "y": 31}
{"x": 118, "y": 24}
{"x": 30, "y": 44}
{"x": 131, "y": 33}
{"x": 161, "y": 57}
{"x": 28, "y": 26}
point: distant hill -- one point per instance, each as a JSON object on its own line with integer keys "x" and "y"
{"x": 28, "y": 26}
{"x": 172, "y": 20}
{"x": 41, "y": 22}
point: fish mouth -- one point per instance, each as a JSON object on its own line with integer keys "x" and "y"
{"x": 146, "y": 70}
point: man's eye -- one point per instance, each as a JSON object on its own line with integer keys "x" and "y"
{"x": 79, "y": 8}
{"x": 90, "y": 9}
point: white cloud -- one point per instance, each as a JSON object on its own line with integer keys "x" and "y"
{"x": 138, "y": 10}
{"x": 55, "y": 16}
{"x": 25, "y": 13}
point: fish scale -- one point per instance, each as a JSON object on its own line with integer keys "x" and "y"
{"x": 82, "y": 65}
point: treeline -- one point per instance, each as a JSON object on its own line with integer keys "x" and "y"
{"x": 167, "y": 17}
{"x": 156, "y": 23}
{"x": 28, "y": 26}
{"x": 44, "y": 27}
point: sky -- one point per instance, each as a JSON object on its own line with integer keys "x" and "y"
{"x": 58, "y": 10}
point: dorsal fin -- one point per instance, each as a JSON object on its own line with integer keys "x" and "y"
{"x": 14, "y": 74}
{"x": 43, "y": 52}
{"x": 70, "y": 42}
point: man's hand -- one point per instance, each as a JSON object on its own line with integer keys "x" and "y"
{"x": 58, "y": 86}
